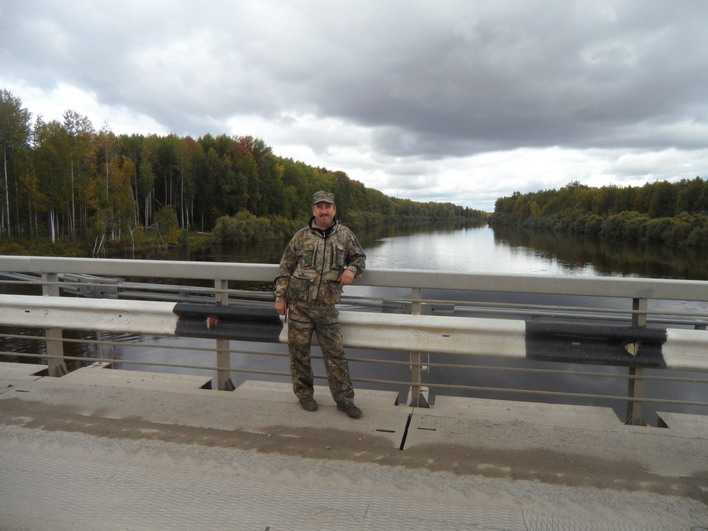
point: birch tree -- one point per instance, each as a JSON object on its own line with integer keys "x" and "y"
{"x": 51, "y": 162}
{"x": 14, "y": 136}
{"x": 79, "y": 131}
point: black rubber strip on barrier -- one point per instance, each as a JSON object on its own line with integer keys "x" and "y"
{"x": 595, "y": 344}
{"x": 240, "y": 322}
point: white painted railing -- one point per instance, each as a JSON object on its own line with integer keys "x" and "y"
{"x": 415, "y": 333}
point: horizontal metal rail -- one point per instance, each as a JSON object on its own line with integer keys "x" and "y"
{"x": 679, "y": 348}
{"x": 689, "y": 290}
{"x": 133, "y": 285}
{"x": 538, "y": 392}
{"x": 584, "y": 309}
{"x": 374, "y": 361}
{"x": 267, "y": 295}
{"x": 460, "y": 304}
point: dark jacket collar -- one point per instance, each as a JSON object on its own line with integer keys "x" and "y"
{"x": 324, "y": 233}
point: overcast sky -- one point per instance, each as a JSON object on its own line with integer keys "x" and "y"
{"x": 445, "y": 101}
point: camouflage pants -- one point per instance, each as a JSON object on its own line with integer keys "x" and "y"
{"x": 303, "y": 319}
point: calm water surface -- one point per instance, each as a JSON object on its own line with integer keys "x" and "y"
{"x": 470, "y": 250}
{"x": 483, "y": 250}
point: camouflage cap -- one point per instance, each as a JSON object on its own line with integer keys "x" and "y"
{"x": 322, "y": 197}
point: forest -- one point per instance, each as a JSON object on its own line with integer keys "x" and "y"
{"x": 66, "y": 181}
{"x": 669, "y": 213}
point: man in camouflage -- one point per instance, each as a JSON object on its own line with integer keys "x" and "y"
{"x": 320, "y": 259}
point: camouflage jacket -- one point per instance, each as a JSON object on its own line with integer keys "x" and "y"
{"x": 314, "y": 260}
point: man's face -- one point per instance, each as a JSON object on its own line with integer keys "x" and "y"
{"x": 324, "y": 214}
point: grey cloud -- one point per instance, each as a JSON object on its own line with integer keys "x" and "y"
{"x": 409, "y": 168}
{"x": 412, "y": 182}
{"x": 419, "y": 194}
{"x": 549, "y": 83}
{"x": 455, "y": 79}
{"x": 670, "y": 164}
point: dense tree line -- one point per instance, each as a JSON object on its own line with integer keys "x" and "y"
{"x": 65, "y": 180}
{"x": 663, "y": 212}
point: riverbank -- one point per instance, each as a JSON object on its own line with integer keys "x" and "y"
{"x": 142, "y": 245}
{"x": 671, "y": 214}
{"x": 682, "y": 231}
{"x": 241, "y": 235}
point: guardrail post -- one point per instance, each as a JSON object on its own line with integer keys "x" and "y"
{"x": 55, "y": 345}
{"x": 103, "y": 351}
{"x": 417, "y": 394}
{"x": 639, "y": 312}
{"x": 635, "y": 387}
{"x": 223, "y": 353}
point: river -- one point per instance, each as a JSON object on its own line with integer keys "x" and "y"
{"x": 485, "y": 250}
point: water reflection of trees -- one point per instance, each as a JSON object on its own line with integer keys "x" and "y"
{"x": 375, "y": 237}
{"x": 609, "y": 258}
{"x": 270, "y": 251}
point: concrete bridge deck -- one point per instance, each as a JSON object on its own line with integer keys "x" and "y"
{"x": 108, "y": 449}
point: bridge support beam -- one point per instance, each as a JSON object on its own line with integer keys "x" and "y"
{"x": 55, "y": 346}
{"x": 418, "y": 394}
{"x": 635, "y": 387}
{"x": 223, "y": 352}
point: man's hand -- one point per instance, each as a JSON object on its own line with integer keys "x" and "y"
{"x": 347, "y": 277}
{"x": 281, "y": 306}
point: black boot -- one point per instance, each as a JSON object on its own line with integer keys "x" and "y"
{"x": 308, "y": 404}
{"x": 350, "y": 409}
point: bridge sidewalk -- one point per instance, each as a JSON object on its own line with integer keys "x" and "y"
{"x": 106, "y": 449}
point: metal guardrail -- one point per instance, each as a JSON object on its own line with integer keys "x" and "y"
{"x": 638, "y": 291}
{"x": 686, "y": 290}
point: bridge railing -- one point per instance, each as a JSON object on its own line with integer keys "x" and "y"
{"x": 636, "y": 307}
